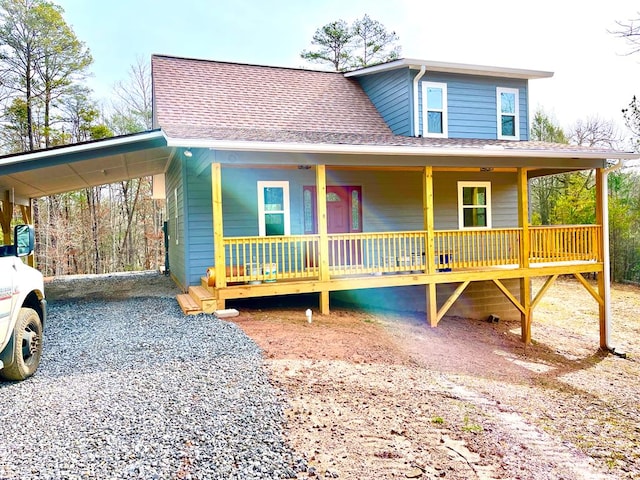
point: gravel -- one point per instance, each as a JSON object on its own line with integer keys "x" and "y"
{"x": 134, "y": 389}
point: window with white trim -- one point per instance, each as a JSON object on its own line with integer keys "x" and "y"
{"x": 273, "y": 208}
{"x": 508, "y": 113}
{"x": 474, "y": 205}
{"x": 434, "y": 109}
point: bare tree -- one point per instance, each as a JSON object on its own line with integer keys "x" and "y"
{"x": 595, "y": 132}
{"x": 132, "y": 109}
{"x": 630, "y": 31}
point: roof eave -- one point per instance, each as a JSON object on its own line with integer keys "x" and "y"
{"x": 86, "y": 147}
{"x": 448, "y": 67}
{"x": 348, "y": 149}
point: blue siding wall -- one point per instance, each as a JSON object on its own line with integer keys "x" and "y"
{"x": 385, "y": 207}
{"x": 472, "y": 104}
{"x": 198, "y": 222}
{"x": 175, "y": 221}
{"x": 392, "y": 94}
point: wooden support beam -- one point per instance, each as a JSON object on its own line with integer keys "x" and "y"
{"x": 603, "y": 276}
{"x": 27, "y": 213}
{"x": 432, "y": 305}
{"x": 598, "y": 298}
{"x": 543, "y": 290}
{"x": 219, "y": 257}
{"x": 427, "y": 208}
{"x": 525, "y": 313}
{"x": 323, "y": 247}
{"x": 6, "y": 215}
{"x": 509, "y": 295}
{"x": 324, "y": 303}
{"x": 523, "y": 216}
{"x": 450, "y": 301}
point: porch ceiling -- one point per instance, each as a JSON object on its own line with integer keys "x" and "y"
{"x": 70, "y": 168}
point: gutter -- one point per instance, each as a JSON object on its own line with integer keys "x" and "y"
{"x": 416, "y": 105}
{"x": 606, "y": 268}
{"x": 497, "y": 151}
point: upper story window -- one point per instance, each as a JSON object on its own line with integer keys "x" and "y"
{"x": 434, "y": 108}
{"x": 474, "y": 205}
{"x": 273, "y": 208}
{"x": 508, "y": 113}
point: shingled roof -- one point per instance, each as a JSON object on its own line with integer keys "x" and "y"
{"x": 201, "y": 95}
{"x": 204, "y": 102}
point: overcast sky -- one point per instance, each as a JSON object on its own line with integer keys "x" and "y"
{"x": 568, "y": 37}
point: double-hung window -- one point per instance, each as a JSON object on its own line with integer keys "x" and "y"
{"x": 474, "y": 205}
{"x": 273, "y": 208}
{"x": 434, "y": 109}
{"x": 508, "y": 113}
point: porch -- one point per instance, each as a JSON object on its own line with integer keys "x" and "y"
{"x": 322, "y": 262}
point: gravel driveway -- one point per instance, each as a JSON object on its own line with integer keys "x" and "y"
{"x": 134, "y": 389}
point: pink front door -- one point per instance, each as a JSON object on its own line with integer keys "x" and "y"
{"x": 344, "y": 215}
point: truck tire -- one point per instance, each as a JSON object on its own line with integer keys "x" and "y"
{"x": 27, "y": 346}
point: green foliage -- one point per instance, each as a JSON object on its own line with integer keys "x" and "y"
{"x": 334, "y": 45}
{"x": 42, "y": 59}
{"x": 363, "y": 43}
{"x": 544, "y": 130}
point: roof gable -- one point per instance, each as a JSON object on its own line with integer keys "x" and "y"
{"x": 209, "y": 94}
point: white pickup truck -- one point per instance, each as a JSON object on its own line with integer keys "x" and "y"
{"x": 23, "y": 308}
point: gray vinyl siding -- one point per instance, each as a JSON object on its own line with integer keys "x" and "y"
{"x": 472, "y": 104}
{"x": 504, "y": 198}
{"x": 174, "y": 179}
{"x": 391, "y": 93}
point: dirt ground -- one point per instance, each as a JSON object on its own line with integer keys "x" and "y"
{"x": 382, "y": 395}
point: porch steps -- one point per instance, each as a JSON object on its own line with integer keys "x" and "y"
{"x": 198, "y": 300}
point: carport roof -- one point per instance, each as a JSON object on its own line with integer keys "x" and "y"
{"x": 73, "y": 167}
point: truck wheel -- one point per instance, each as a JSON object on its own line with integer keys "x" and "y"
{"x": 27, "y": 346}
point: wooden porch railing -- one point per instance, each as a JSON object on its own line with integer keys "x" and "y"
{"x": 296, "y": 257}
{"x": 254, "y": 259}
{"x": 565, "y": 243}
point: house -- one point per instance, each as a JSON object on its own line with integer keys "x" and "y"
{"x": 408, "y": 178}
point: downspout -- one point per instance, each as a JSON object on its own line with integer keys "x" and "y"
{"x": 606, "y": 261}
{"x": 416, "y": 104}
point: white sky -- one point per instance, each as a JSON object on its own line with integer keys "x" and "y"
{"x": 569, "y": 37}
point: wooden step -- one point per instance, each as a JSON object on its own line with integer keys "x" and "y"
{"x": 204, "y": 298}
{"x": 188, "y": 304}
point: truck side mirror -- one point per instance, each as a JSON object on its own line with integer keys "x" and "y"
{"x": 24, "y": 239}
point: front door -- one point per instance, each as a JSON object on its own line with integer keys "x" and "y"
{"x": 344, "y": 215}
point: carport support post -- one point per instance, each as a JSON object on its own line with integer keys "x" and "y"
{"x": 323, "y": 248}
{"x": 6, "y": 214}
{"x": 525, "y": 282}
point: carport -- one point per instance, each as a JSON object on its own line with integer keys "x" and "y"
{"x": 67, "y": 168}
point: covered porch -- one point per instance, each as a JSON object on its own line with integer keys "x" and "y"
{"x": 323, "y": 262}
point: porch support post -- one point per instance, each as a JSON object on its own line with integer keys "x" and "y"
{"x": 323, "y": 247}
{"x": 432, "y": 305}
{"x": 427, "y": 209}
{"x": 6, "y": 214}
{"x": 525, "y": 281}
{"x": 219, "y": 257}
{"x": 602, "y": 203}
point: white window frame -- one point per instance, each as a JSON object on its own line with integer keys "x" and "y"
{"x": 262, "y": 227}
{"x": 425, "y": 110}
{"x": 516, "y": 92}
{"x": 461, "y": 206}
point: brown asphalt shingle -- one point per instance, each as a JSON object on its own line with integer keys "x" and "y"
{"x": 199, "y": 93}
